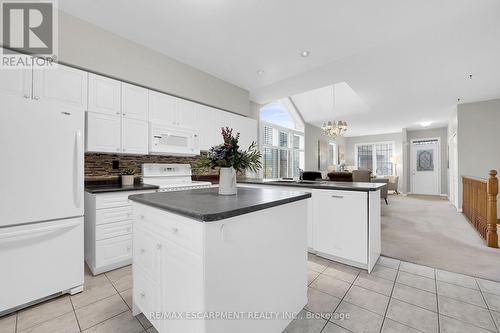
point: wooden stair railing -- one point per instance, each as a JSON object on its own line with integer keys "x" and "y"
{"x": 479, "y": 205}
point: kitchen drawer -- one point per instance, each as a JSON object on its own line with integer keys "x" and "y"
{"x": 110, "y": 200}
{"x": 110, "y": 230}
{"x": 110, "y": 215}
{"x": 145, "y": 294}
{"x": 113, "y": 250}
{"x": 184, "y": 232}
{"x": 147, "y": 252}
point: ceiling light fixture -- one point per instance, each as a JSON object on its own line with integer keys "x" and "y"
{"x": 426, "y": 123}
{"x": 260, "y": 72}
{"x": 305, "y": 53}
{"x": 334, "y": 128}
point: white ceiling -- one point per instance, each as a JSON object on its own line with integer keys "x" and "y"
{"x": 406, "y": 60}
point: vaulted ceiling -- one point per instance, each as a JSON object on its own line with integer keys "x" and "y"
{"x": 407, "y": 61}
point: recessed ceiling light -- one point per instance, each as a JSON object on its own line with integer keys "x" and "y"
{"x": 426, "y": 123}
{"x": 260, "y": 72}
{"x": 305, "y": 53}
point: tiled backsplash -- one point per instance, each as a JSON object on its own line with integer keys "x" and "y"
{"x": 100, "y": 166}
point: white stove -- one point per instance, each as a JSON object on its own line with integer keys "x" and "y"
{"x": 170, "y": 177}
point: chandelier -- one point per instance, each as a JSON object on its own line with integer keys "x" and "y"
{"x": 334, "y": 128}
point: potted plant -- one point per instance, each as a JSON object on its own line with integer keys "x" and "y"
{"x": 128, "y": 176}
{"x": 229, "y": 159}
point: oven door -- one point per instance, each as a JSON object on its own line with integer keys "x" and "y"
{"x": 173, "y": 141}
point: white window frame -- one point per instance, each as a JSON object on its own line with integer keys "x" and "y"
{"x": 374, "y": 154}
{"x": 289, "y": 149}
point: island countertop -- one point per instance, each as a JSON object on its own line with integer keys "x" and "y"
{"x": 206, "y": 205}
{"x": 321, "y": 184}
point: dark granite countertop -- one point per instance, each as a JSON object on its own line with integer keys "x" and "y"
{"x": 207, "y": 205}
{"x": 104, "y": 188}
{"x": 318, "y": 184}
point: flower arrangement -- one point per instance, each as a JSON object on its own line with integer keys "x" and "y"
{"x": 229, "y": 155}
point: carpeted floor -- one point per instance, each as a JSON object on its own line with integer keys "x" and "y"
{"x": 429, "y": 231}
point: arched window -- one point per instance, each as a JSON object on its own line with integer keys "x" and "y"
{"x": 282, "y": 138}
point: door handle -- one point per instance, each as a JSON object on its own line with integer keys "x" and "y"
{"x": 338, "y": 196}
{"x": 79, "y": 174}
{"x": 37, "y": 231}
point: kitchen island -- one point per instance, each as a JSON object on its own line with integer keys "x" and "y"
{"x": 343, "y": 218}
{"x": 206, "y": 263}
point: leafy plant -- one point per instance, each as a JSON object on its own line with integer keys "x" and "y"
{"x": 128, "y": 172}
{"x": 229, "y": 155}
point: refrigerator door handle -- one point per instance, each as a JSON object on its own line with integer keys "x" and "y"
{"x": 79, "y": 171}
{"x": 16, "y": 235}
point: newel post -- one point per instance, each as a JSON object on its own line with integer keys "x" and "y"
{"x": 492, "y": 189}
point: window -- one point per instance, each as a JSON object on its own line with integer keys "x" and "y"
{"x": 283, "y": 151}
{"x": 282, "y": 139}
{"x": 270, "y": 158}
{"x": 375, "y": 157}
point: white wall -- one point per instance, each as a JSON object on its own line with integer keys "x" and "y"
{"x": 312, "y": 135}
{"x": 397, "y": 138}
{"x": 478, "y": 134}
{"x": 89, "y": 47}
{"x": 442, "y": 134}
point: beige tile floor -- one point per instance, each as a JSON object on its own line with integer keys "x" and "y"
{"x": 396, "y": 297}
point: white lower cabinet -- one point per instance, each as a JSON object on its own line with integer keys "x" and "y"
{"x": 340, "y": 228}
{"x": 108, "y": 230}
{"x": 341, "y": 225}
{"x": 185, "y": 270}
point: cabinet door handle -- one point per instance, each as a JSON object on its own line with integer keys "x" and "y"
{"x": 141, "y": 217}
{"x": 158, "y": 246}
{"x": 338, "y": 196}
{"x": 143, "y": 251}
{"x": 129, "y": 248}
{"x": 143, "y": 294}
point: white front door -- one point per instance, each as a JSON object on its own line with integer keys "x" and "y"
{"x": 425, "y": 164}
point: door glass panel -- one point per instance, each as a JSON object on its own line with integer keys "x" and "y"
{"x": 425, "y": 160}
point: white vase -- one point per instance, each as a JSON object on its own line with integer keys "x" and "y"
{"x": 227, "y": 181}
{"x": 127, "y": 180}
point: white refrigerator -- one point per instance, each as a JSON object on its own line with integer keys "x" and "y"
{"x": 41, "y": 186}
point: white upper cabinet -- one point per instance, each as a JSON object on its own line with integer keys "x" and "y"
{"x": 185, "y": 113}
{"x": 104, "y": 95}
{"x": 62, "y": 84}
{"x": 134, "y": 136}
{"x": 16, "y": 82}
{"x": 169, "y": 110}
{"x": 161, "y": 108}
{"x": 134, "y": 102}
{"x": 248, "y": 131}
{"x": 247, "y": 127}
{"x": 207, "y": 127}
{"x": 103, "y": 133}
